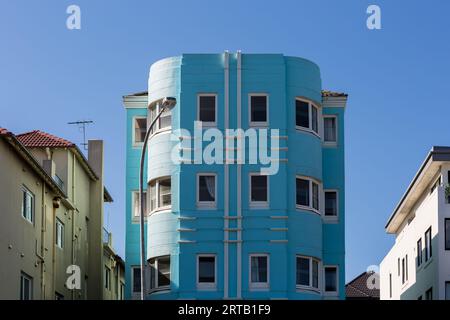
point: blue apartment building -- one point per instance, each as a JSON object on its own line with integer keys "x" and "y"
{"x": 225, "y": 230}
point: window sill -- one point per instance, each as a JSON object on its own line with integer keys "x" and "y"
{"x": 259, "y": 205}
{"x": 329, "y": 144}
{"x": 160, "y": 210}
{"x": 308, "y": 209}
{"x": 258, "y": 125}
{"x": 259, "y": 287}
{"x": 331, "y": 219}
{"x": 205, "y": 287}
{"x": 307, "y": 130}
{"x": 307, "y": 289}
{"x": 206, "y": 206}
{"x": 160, "y": 290}
{"x": 208, "y": 124}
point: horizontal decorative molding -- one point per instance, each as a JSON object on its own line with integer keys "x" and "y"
{"x": 187, "y": 218}
{"x": 233, "y": 241}
{"x": 232, "y": 229}
{"x": 278, "y": 229}
{"x": 186, "y": 230}
{"x": 279, "y": 241}
{"x": 279, "y": 217}
{"x": 187, "y": 241}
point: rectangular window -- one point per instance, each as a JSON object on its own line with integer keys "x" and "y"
{"x": 258, "y": 109}
{"x": 331, "y": 279}
{"x": 302, "y": 114}
{"x": 307, "y": 272}
{"x": 447, "y": 234}
{"x": 331, "y": 208}
{"x": 164, "y": 121}
{"x": 160, "y": 194}
{"x": 447, "y": 290}
{"x": 330, "y": 129}
{"x": 136, "y": 279}
{"x": 259, "y": 271}
{"x": 27, "y": 205}
{"x": 107, "y": 278}
{"x": 419, "y": 252}
{"x": 307, "y": 194}
{"x": 406, "y": 267}
{"x": 259, "y": 190}
{"x": 306, "y": 115}
{"x": 137, "y": 204}
{"x": 59, "y": 234}
{"x": 403, "y": 271}
{"x": 160, "y": 273}
{"x": 428, "y": 245}
{"x": 398, "y": 263}
{"x": 140, "y": 129}
{"x": 206, "y": 189}
{"x": 429, "y": 294}
{"x": 206, "y": 271}
{"x": 26, "y": 287}
{"x": 207, "y": 109}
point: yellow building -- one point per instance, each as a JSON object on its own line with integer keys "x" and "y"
{"x": 51, "y": 223}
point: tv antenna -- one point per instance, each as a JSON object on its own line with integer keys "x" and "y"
{"x": 82, "y": 126}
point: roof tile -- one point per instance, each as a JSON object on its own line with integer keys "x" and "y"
{"x": 39, "y": 139}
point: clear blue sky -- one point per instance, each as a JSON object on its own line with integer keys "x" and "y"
{"x": 397, "y": 79}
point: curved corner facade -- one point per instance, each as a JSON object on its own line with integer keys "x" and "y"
{"x": 224, "y": 230}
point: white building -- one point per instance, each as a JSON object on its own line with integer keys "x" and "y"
{"x": 418, "y": 265}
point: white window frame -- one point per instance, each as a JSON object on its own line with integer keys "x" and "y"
{"x": 157, "y": 286}
{"x": 207, "y": 123}
{"x": 157, "y": 127}
{"x": 258, "y": 123}
{"x": 331, "y": 293}
{"x": 135, "y": 195}
{"x": 255, "y": 286}
{"x": 331, "y": 219}
{"x": 59, "y": 225}
{"x": 335, "y": 117}
{"x": 24, "y": 189}
{"x": 207, "y": 204}
{"x": 24, "y": 276}
{"x": 311, "y": 105}
{"x": 134, "y": 142}
{"x": 310, "y": 208}
{"x": 206, "y": 285}
{"x": 159, "y": 208}
{"x": 132, "y": 279}
{"x": 310, "y": 287}
{"x": 258, "y": 204}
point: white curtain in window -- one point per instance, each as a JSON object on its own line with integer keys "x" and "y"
{"x": 211, "y": 186}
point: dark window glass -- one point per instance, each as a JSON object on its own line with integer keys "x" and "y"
{"x": 136, "y": 279}
{"x": 428, "y": 245}
{"x": 315, "y": 274}
{"x": 302, "y": 114}
{"x": 259, "y": 188}
{"x": 207, "y": 109}
{"x": 331, "y": 279}
{"x": 206, "y": 269}
{"x": 447, "y": 234}
{"x": 419, "y": 252}
{"x": 390, "y": 285}
{"x": 163, "y": 271}
{"x": 207, "y": 186}
{"x": 302, "y": 192}
{"x": 303, "y": 271}
{"x": 315, "y": 195}
{"x": 258, "y": 109}
{"x": 429, "y": 294}
{"x": 259, "y": 269}
{"x": 330, "y": 203}
{"x": 330, "y": 129}
{"x": 140, "y": 129}
{"x": 314, "y": 123}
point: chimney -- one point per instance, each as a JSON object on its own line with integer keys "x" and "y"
{"x": 95, "y": 156}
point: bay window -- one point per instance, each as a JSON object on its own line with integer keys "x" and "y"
{"x": 160, "y": 273}
{"x": 307, "y": 273}
{"x": 307, "y": 194}
{"x": 160, "y": 194}
{"x": 164, "y": 121}
{"x": 306, "y": 115}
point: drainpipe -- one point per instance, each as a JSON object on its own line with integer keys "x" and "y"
{"x": 56, "y": 203}
{"x": 73, "y": 246}
{"x": 43, "y": 229}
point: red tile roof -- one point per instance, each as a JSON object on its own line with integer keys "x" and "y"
{"x": 358, "y": 288}
{"x": 39, "y": 139}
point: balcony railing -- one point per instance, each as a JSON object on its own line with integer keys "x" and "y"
{"x": 59, "y": 182}
{"x": 107, "y": 237}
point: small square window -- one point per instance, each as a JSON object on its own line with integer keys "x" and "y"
{"x": 331, "y": 204}
{"x": 207, "y": 109}
{"x": 258, "y": 109}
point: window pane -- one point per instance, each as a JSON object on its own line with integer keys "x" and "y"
{"x": 302, "y": 271}
{"x": 163, "y": 271}
{"x": 258, "y": 107}
{"x": 259, "y": 269}
{"x": 330, "y": 203}
{"x": 165, "y": 120}
{"x": 206, "y": 269}
{"x": 207, "y": 109}
{"x": 207, "y": 186}
{"x": 447, "y": 234}
{"x": 315, "y": 274}
{"x": 164, "y": 193}
{"x": 152, "y": 195}
{"x": 303, "y": 192}
{"x": 140, "y": 127}
{"x": 137, "y": 204}
{"x": 330, "y": 129}
{"x": 136, "y": 279}
{"x": 315, "y": 194}
{"x": 419, "y": 252}
{"x": 314, "y": 119}
{"x": 259, "y": 188}
{"x": 331, "y": 279}
{"x": 301, "y": 114}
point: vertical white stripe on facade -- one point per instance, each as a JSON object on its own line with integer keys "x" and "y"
{"x": 226, "y": 177}
{"x": 239, "y": 180}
